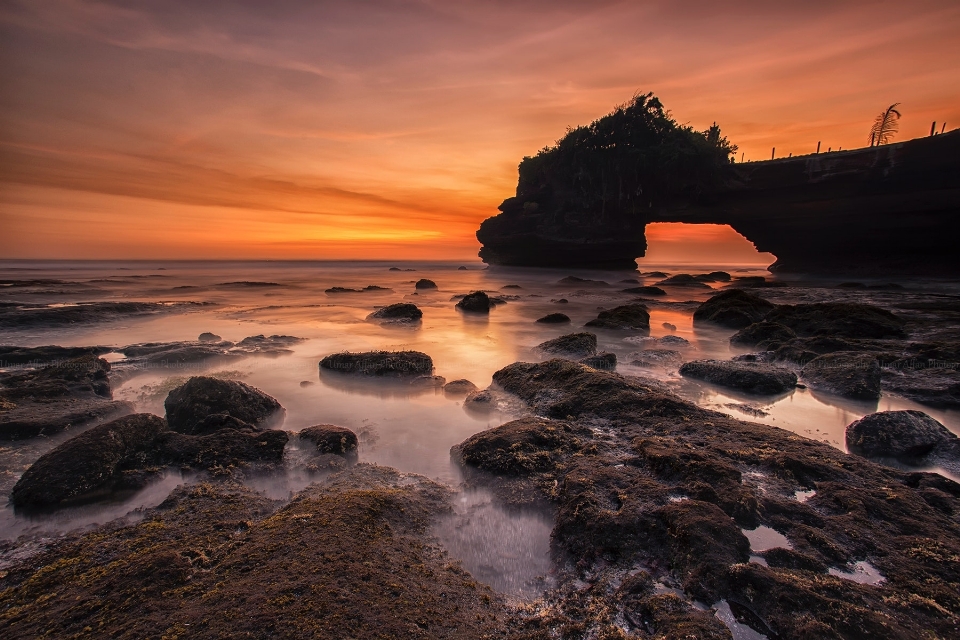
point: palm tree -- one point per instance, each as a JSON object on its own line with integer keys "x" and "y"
{"x": 885, "y": 126}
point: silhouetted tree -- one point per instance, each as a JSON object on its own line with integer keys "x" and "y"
{"x": 885, "y": 126}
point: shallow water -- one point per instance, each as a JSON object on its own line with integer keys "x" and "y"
{"x": 411, "y": 429}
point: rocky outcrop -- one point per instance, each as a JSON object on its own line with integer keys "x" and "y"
{"x": 751, "y": 377}
{"x": 604, "y": 360}
{"x": 839, "y": 320}
{"x": 329, "y": 438}
{"x": 554, "y": 318}
{"x": 475, "y": 302}
{"x": 573, "y": 345}
{"x": 889, "y": 209}
{"x": 459, "y": 387}
{"x": 764, "y": 335}
{"x": 907, "y": 435}
{"x": 189, "y": 404}
{"x": 425, "y": 284}
{"x": 399, "y": 312}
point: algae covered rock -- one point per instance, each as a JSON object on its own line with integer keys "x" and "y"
{"x": 554, "y": 318}
{"x": 628, "y": 316}
{"x": 424, "y": 283}
{"x": 399, "y": 312}
{"x": 648, "y": 290}
{"x": 200, "y": 396}
{"x": 604, "y": 360}
{"x": 751, "y": 377}
{"x": 459, "y": 387}
{"x": 764, "y": 335}
{"x": 387, "y": 364}
{"x": 329, "y": 438}
{"x": 733, "y": 308}
{"x": 908, "y": 434}
{"x": 522, "y": 446}
{"x": 86, "y": 462}
{"x": 574, "y": 345}
{"x": 844, "y": 373}
{"x": 222, "y": 448}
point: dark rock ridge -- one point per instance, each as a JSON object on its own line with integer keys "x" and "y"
{"x": 646, "y": 291}
{"x": 205, "y": 348}
{"x": 752, "y": 377}
{"x": 839, "y": 320}
{"x": 604, "y": 360}
{"x": 43, "y": 356}
{"x": 393, "y": 364}
{"x": 199, "y": 397}
{"x": 764, "y": 335}
{"x": 475, "y": 302}
{"x": 889, "y": 209}
{"x": 24, "y": 315}
{"x": 554, "y": 318}
{"x": 424, "y": 283}
{"x": 71, "y": 393}
{"x": 459, "y": 387}
{"x": 367, "y": 289}
{"x": 649, "y": 489}
{"x": 683, "y": 280}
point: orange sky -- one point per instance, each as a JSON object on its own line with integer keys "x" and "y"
{"x": 390, "y": 129}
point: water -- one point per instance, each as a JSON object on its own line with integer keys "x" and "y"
{"x": 411, "y": 429}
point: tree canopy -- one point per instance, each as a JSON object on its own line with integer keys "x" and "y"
{"x": 626, "y": 161}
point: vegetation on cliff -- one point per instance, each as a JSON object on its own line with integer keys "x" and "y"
{"x": 624, "y": 162}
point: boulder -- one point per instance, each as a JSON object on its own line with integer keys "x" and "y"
{"x": 399, "y": 312}
{"x": 764, "y": 335}
{"x": 845, "y": 373}
{"x": 656, "y": 358}
{"x": 554, "y": 318}
{"x": 628, "y": 316}
{"x": 713, "y": 276}
{"x": 46, "y": 355}
{"x": 733, "y": 308}
{"x": 86, "y": 462}
{"x": 424, "y": 283}
{"x": 604, "y": 360}
{"x": 206, "y": 336}
{"x": 839, "y": 320}
{"x": 329, "y": 438}
{"x": 646, "y": 291}
{"x": 475, "y": 302}
{"x": 574, "y": 345}
{"x": 906, "y": 435}
{"x": 524, "y": 446}
{"x": 751, "y": 377}
{"x": 582, "y": 282}
{"x": 392, "y": 364}
{"x": 200, "y": 396}
{"x": 219, "y": 421}
{"x": 459, "y": 387}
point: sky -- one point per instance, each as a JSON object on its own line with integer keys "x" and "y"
{"x": 390, "y": 129}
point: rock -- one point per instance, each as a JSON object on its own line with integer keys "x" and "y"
{"x": 86, "y": 462}
{"x": 219, "y": 421}
{"x": 394, "y": 269}
{"x": 161, "y": 355}
{"x": 393, "y": 364}
{"x": 628, "y": 316}
{"x": 655, "y": 274}
{"x": 764, "y": 335}
{"x": 329, "y": 438}
{"x": 574, "y": 345}
{"x": 206, "y": 336}
{"x": 906, "y": 435}
{"x": 844, "y": 373}
{"x": 683, "y": 280}
{"x": 604, "y": 360}
{"x": 511, "y": 286}
{"x": 669, "y": 327}
{"x": 222, "y": 448}
{"x": 424, "y": 283}
{"x": 367, "y": 289}
{"x": 271, "y": 345}
{"x": 475, "y": 302}
{"x": 674, "y": 341}
{"x": 839, "y": 320}
{"x": 646, "y": 291}
{"x": 200, "y": 396}
{"x": 306, "y": 383}
{"x": 936, "y": 386}
{"x": 733, "y": 308}
{"x": 561, "y": 301}
{"x": 56, "y": 316}
{"x": 554, "y": 318}
{"x": 459, "y": 387}
{"x": 399, "y": 312}
{"x": 486, "y": 401}
{"x": 56, "y": 397}
{"x": 521, "y": 447}
{"x": 461, "y": 268}
{"x": 750, "y": 377}
{"x": 803, "y": 350}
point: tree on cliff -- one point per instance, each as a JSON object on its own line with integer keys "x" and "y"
{"x": 624, "y": 163}
{"x": 885, "y": 126}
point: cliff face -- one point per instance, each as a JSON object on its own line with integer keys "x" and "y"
{"x": 889, "y": 209}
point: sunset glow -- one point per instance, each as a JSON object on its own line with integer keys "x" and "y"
{"x": 392, "y": 129}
